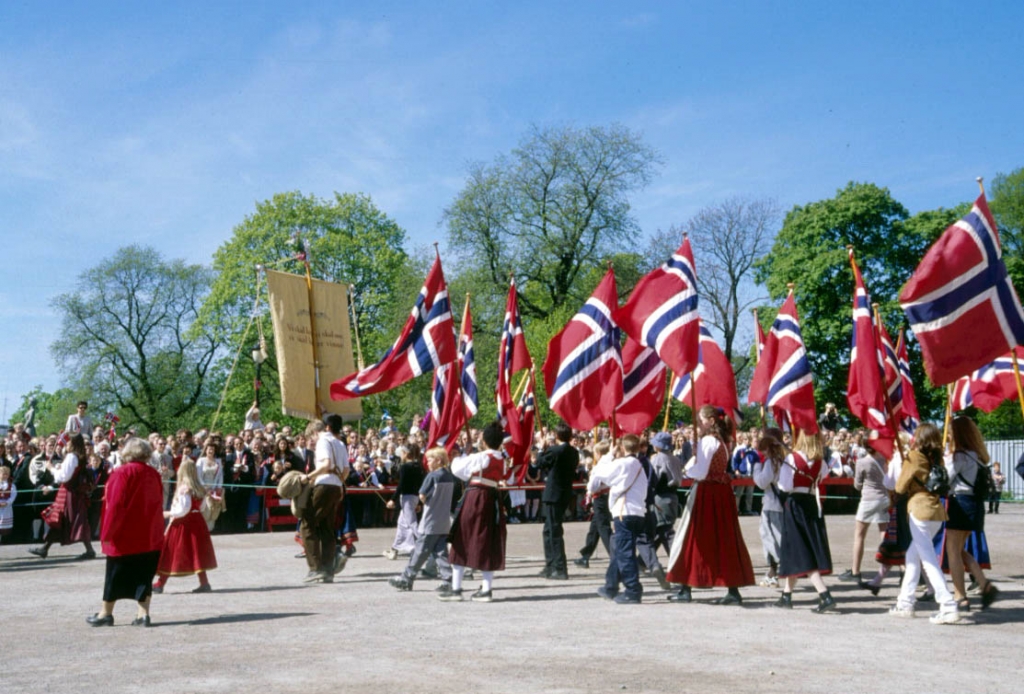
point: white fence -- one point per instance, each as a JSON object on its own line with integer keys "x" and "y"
{"x": 1008, "y": 453}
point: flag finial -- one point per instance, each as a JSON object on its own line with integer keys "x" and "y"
{"x": 981, "y": 184}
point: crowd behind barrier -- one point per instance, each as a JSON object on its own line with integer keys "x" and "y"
{"x": 241, "y": 471}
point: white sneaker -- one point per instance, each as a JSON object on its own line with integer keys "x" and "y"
{"x": 945, "y": 617}
{"x": 391, "y": 553}
{"x": 905, "y": 612}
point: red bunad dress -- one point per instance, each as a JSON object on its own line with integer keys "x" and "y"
{"x": 187, "y": 547}
{"x": 478, "y": 529}
{"x": 708, "y": 549}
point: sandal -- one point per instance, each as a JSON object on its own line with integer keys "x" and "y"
{"x": 963, "y": 605}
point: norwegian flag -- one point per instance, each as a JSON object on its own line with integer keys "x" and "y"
{"x": 960, "y": 302}
{"x": 526, "y": 411}
{"x": 447, "y": 411}
{"x": 427, "y": 342}
{"x": 583, "y": 368}
{"x": 467, "y": 364}
{"x": 911, "y": 417}
{"x": 782, "y": 379}
{"x": 513, "y": 356}
{"x": 113, "y": 420}
{"x": 643, "y": 388}
{"x": 758, "y": 337}
{"x": 63, "y": 438}
{"x": 890, "y": 368}
{"x": 662, "y": 311}
{"x": 865, "y": 394}
{"x": 713, "y": 378}
{"x": 988, "y": 387}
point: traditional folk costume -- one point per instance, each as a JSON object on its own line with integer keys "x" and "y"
{"x": 187, "y": 548}
{"x": 708, "y": 549}
{"x": 8, "y": 493}
{"x": 68, "y": 516}
{"x": 804, "y": 548}
{"x": 478, "y": 529}
{"x": 211, "y": 475}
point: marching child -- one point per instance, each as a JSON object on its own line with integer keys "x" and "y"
{"x": 432, "y": 534}
{"x": 187, "y": 546}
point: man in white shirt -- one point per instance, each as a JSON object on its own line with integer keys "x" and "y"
{"x": 317, "y": 528}
{"x": 626, "y": 482}
{"x": 80, "y": 422}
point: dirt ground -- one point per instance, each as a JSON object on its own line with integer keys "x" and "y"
{"x": 262, "y": 629}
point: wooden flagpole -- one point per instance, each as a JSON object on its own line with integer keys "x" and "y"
{"x": 949, "y": 415}
{"x": 465, "y": 410}
{"x": 757, "y": 360}
{"x": 693, "y": 406}
{"x": 313, "y": 334}
{"x": 1016, "y": 376}
{"x": 893, "y": 422}
{"x": 668, "y": 398}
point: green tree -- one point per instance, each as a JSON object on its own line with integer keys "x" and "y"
{"x": 553, "y": 209}
{"x": 52, "y": 409}
{"x": 810, "y": 251}
{"x": 1008, "y": 209}
{"x": 126, "y": 337}
{"x": 350, "y": 241}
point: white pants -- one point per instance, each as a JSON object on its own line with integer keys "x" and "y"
{"x": 921, "y": 553}
{"x": 405, "y": 533}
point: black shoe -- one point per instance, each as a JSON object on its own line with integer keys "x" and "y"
{"x": 867, "y": 586}
{"x": 142, "y": 622}
{"x": 481, "y": 595}
{"x": 443, "y": 587}
{"x": 607, "y": 594}
{"x": 328, "y": 578}
{"x": 785, "y": 601}
{"x": 206, "y": 588}
{"x": 429, "y": 574}
{"x": 826, "y": 603}
{"x": 989, "y": 595}
{"x": 659, "y": 575}
{"x": 731, "y": 598}
{"x": 450, "y": 596}
{"x": 558, "y": 576}
{"x": 582, "y": 562}
{"x": 97, "y": 621}
{"x": 158, "y": 589}
{"x": 400, "y": 583}
{"x": 87, "y": 555}
{"x": 349, "y": 550}
{"x": 40, "y": 552}
{"x": 627, "y": 599}
{"x": 684, "y": 595}
{"x": 544, "y": 573}
{"x": 849, "y": 576}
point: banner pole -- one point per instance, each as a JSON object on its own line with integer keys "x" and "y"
{"x": 1016, "y": 376}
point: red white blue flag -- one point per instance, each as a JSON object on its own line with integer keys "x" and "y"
{"x": 447, "y": 411}
{"x": 427, "y": 342}
{"x": 713, "y": 378}
{"x": 988, "y": 387}
{"x": 910, "y": 417}
{"x": 961, "y": 304}
{"x": 583, "y": 368}
{"x": 662, "y": 312}
{"x": 643, "y": 388}
{"x": 782, "y": 379}
{"x": 467, "y": 364}
{"x": 513, "y": 356}
{"x": 526, "y": 412}
{"x": 865, "y": 394}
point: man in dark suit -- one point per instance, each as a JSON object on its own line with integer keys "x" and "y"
{"x": 560, "y": 461}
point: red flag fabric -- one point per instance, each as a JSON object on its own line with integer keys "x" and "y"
{"x": 990, "y": 386}
{"x": 427, "y": 342}
{"x": 643, "y": 386}
{"x": 662, "y": 312}
{"x": 713, "y": 378}
{"x": 782, "y": 379}
{"x": 519, "y": 451}
{"x": 960, "y": 301}
{"x": 513, "y": 356}
{"x": 911, "y": 417}
{"x": 447, "y": 410}
{"x": 583, "y": 368}
{"x": 865, "y": 394}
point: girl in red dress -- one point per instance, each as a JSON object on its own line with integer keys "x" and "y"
{"x": 708, "y": 549}
{"x": 187, "y": 546}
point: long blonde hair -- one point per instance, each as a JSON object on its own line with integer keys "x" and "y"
{"x": 188, "y": 477}
{"x": 967, "y": 437}
{"x": 810, "y": 445}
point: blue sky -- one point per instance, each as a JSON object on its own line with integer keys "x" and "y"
{"x": 164, "y": 124}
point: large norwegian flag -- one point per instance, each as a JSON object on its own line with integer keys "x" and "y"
{"x": 427, "y": 341}
{"x": 988, "y": 387}
{"x": 513, "y": 356}
{"x": 526, "y": 411}
{"x": 714, "y": 379}
{"x": 467, "y": 364}
{"x": 643, "y": 388}
{"x": 910, "y": 417}
{"x": 782, "y": 379}
{"x": 447, "y": 411}
{"x": 865, "y": 394}
{"x": 892, "y": 376}
{"x": 583, "y": 368}
{"x": 662, "y": 311}
{"x": 960, "y": 302}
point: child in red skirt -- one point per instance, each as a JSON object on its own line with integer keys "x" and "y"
{"x": 187, "y": 546}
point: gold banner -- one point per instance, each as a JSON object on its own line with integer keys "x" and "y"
{"x": 289, "y": 309}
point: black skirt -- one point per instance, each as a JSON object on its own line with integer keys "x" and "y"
{"x": 804, "y": 544}
{"x": 965, "y": 513}
{"x": 130, "y": 577}
{"x": 478, "y": 531}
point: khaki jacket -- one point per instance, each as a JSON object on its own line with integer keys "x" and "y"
{"x": 922, "y": 505}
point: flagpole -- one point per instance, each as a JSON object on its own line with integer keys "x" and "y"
{"x": 757, "y": 360}
{"x": 949, "y": 415}
{"x": 1016, "y": 376}
{"x": 693, "y": 406}
{"x": 465, "y": 410}
{"x": 668, "y": 398}
{"x": 355, "y": 327}
{"x": 313, "y": 335}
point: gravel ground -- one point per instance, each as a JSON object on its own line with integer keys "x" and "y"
{"x": 262, "y": 629}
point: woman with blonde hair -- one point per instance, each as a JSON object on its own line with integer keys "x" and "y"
{"x": 187, "y": 548}
{"x": 804, "y": 549}
{"x": 966, "y": 511}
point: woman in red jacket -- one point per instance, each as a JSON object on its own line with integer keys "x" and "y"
{"x": 132, "y": 533}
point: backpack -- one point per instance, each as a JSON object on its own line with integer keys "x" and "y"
{"x": 984, "y": 486}
{"x": 937, "y": 482}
